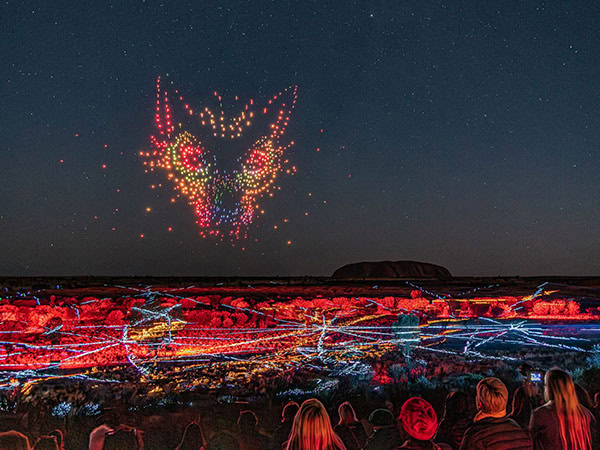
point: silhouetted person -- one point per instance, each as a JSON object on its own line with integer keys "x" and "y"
{"x": 584, "y": 397}
{"x": 192, "y": 438}
{"x": 13, "y": 440}
{"x": 522, "y": 406}
{"x": 249, "y": 437}
{"x": 349, "y": 429}
{"x": 60, "y": 439}
{"x": 385, "y": 434}
{"x": 455, "y": 421}
{"x": 46, "y": 443}
{"x": 282, "y": 432}
{"x": 562, "y": 423}
{"x": 492, "y": 429}
{"x": 122, "y": 439}
{"x": 223, "y": 440}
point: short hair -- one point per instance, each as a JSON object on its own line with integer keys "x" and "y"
{"x": 492, "y": 395}
{"x": 13, "y": 440}
{"x": 289, "y": 411}
{"x": 247, "y": 420}
{"x": 381, "y": 418}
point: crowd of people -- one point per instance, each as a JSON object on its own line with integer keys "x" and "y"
{"x": 560, "y": 416}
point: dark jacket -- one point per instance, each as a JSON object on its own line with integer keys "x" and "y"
{"x": 281, "y": 435}
{"x": 386, "y": 438}
{"x": 545, "y": 428}
{"x": 496, "y": 434}
{"x": 353, "y": 436}
{"x": 253, "y": 440}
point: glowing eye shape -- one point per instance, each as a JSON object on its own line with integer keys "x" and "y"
{"x": 225, "y": 201}
{"x": 191, "y": 157}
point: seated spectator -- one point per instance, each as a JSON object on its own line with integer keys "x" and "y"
{"x": 455, "y": 421}
{"x": 282, "y": 432}
{"x": 192, "y": 438}
{"x": 584, "y": 397}
{"x": 223, "y": 440}
{"x": 385, "y": 434}
{"x": 349, "y": 429}
{"x": 491, "y": 429}
{"x": 249, "y": 437}
{"x": 60, "y": 440}
{"x": 312, "y": 429}
{"x": 46, "y": 443}
{"x": 119, "y": 438}
{"x": 419, "y": 422}
{"x": 562, "y": 423}
{"x": 522, "y": 405}
{"x": 123, "y": 439}
{"x": 13, "y": 440}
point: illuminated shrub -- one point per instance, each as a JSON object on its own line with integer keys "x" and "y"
{"x": 572, "y": 308}
{"x": 541, "y": 308}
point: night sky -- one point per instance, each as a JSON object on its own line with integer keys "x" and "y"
{"x": 460, "y": 134}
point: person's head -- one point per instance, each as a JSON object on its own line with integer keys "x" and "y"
{"x": 247, "y": 421}
{"x": 312, "y": 429}
{"x": 492, "y": 396}
{"x": 574, "y": 427}
{"x": 418, "y": 419}
{"x": 13, "y": 440}
{"x": 525, "y": 370}
{"x": 381, "y": 418}
{"x": 192, "y": 438}
{"x": 289, "y": 411}
{"x": 46, "y": 443}
{"x": 347, "y": 414}
{"x": 123, "y": 439}
{"x": 456, "y": 405}
{"x": 60, "y": 440}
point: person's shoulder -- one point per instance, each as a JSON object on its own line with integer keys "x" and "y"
{"x": 546, "y": 408}
{"x": 470, "y": 432}
{"x": 511, "y": 422}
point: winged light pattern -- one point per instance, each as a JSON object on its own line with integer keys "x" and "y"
{"x": 194, "y": 172}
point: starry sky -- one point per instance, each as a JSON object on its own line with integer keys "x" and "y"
{"x": 462, "y": 134}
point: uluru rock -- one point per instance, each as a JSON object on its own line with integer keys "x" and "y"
{"x": 392, "y": 269}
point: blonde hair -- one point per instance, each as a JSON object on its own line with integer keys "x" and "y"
{"x": 492, "y": 396}
{"x": 311, "y": 429}
{"x": 574, "y": 425}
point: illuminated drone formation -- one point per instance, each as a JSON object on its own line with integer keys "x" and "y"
{"x": 194, "y": 171}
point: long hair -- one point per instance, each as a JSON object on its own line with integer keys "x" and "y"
{"x": 312, "y": 430}
{"x": 574, "y": 425}
{"x": 347, "y": 414}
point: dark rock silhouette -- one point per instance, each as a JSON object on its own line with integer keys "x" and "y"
{"x": 392, "y": 269}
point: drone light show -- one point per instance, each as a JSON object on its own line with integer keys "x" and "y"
{"x": 194, "y": 170}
